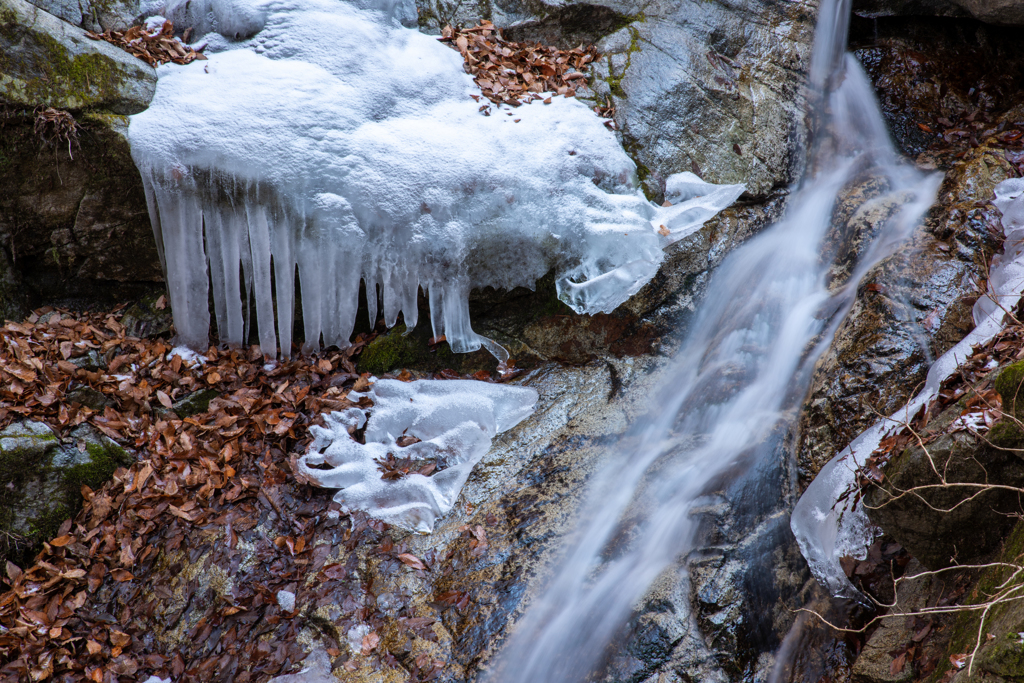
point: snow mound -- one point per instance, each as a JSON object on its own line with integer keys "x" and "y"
{"x": 337, "y": 146}
{"x": 827, "y": 528}
{"x": 454, "y": 421}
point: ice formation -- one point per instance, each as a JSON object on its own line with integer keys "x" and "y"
{"x": 827, "y": 530}
{"x": 454, "y": 421}
{"x": 335, "y": 145}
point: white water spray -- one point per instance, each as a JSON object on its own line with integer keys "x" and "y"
{"x": 768, "y": 314}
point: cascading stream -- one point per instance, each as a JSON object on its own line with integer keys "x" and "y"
{"x": 769, "y": 312}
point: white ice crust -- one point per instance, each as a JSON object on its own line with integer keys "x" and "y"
{"x": 347, "y": 147}
{"x": 455, "y": 421}
{"x": 827, "y": 530}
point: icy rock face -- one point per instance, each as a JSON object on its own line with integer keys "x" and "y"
{"x": 337, "y": 146}
{"x": 454, "y": 420}
{"x": 829, "y": 526}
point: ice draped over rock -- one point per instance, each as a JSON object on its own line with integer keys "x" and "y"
{"x": 336, "y": 145}
{"x": 828, "y": 523}
{"x": 454, "y": 421}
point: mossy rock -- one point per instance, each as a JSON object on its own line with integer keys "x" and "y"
{"x": 41, "y": 479}
{"x": 395, "y": 350}
{"x": 47, "y": 61}
{"x": 195, "y": 403}
{"x": 144, "y": 320}
{"x": 957, "y": 523}
{"x": 1010, "y": 385}
{"x": 1007, "y": 435}
{"x": 1001, "y": 657}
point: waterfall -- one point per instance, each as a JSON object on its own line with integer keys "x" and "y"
{"x": 738, "y": 379}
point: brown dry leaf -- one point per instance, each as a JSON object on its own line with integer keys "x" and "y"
{"x": 62, "y": 541}
{"x": 412, "y": 561}
{"x": 121, "y": 575}
{"x": 898, "y": 664}
{"x": 154, "y": 49}
{"x": 119, "y": 639}
{"x": 370, "y": 642}
{"x": 515, "y": 73}
{"x": 663, "y": 231}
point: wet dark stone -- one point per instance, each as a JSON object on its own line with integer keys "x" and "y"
{"x": 925, "y": 69}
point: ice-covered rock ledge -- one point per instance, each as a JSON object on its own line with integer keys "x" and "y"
{"x": 335, "y": 145}
{"x": 828, "y": 527}
{"x": 450, "y": 424}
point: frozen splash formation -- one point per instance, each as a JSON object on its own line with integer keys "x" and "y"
{"x": 325, "y": 143}
{"x": 451, "y": 424}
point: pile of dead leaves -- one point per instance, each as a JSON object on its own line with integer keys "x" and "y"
{"x": 974, "y": 129}
{"x": 153, "y": 48}
{"x": 109, "y": 599}
{"x": 514, "y": 73}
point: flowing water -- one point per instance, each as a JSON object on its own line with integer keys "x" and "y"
{"x": 769, "y": 312}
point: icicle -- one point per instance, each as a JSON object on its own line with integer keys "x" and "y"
{"x": 283, "y": 249}
{"x": 259, "y": 242}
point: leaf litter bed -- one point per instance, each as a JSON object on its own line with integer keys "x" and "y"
{"x": 517, "y": 73}
{"x": 177, "y": 566}
{"x": 154, "y": 47}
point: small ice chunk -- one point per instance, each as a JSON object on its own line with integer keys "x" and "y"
{"x": 316, "y": 668}
{"x": 454, "y": 421}
{"x": 286, "y": 600}
{"x": 187, "y": 355}
{"x": 157, "y": 679}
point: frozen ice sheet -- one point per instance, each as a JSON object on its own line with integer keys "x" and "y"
{"x": 455, "y": 421}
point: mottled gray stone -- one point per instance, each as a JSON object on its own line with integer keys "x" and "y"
{"x": 1005, "y": 12}
{"x": 94, "y": 15}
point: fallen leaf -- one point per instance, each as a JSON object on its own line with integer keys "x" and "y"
{"x": 412, "y": 561}
{"x": 370, "y": 642}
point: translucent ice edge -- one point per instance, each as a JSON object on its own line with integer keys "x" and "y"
{"x": 455, "y": 421}
{"x": 827, "y": 529}
{"x": 328, "y": 145}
